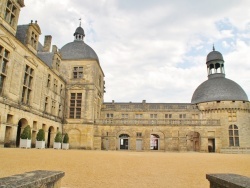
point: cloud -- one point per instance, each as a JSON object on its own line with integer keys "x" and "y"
{"x": 153, "y": 50}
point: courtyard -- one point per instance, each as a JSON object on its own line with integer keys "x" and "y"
{"x": 124, "y": 169}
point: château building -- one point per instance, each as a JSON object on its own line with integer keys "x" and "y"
{"x": 63, "y": 90}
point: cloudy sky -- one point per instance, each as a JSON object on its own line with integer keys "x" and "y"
{"x": 152, "y": 50}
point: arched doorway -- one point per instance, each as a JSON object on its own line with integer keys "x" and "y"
{"x": 124, "y": 141}
{"x": 154, "y": 142}
{"x": 21, "y": 124}
{"x": 50, "y": 137}
{"x": 193, "y": 141}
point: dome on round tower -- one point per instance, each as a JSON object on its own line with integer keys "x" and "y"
{"x": 218, "y": 88}
{"x": 78, "y": 49}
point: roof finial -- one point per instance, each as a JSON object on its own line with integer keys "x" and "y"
{"x": 213, "y": 48}
{"x": 80, "y": 22}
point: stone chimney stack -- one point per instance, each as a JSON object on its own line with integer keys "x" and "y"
{"x": 47, "y": 43}
{"x": 54, "y": 48}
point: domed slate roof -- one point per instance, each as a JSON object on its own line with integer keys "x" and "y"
{"x": 80, "y": 31}
{"x": 78, "y": 50}
{"x": 214, "y": 55}
{"x": 218, "y": 88}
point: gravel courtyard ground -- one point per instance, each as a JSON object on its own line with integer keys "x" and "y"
{"x": 107, "y": 169}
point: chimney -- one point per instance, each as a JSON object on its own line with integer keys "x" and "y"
{"x": 47, "y": 43}
{"x": 54, "y": 49}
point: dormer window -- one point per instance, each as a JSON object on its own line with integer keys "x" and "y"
{"x": 33, "y": 39}
{"x": 57, "y": 64}
{"x": 10, "y": 13}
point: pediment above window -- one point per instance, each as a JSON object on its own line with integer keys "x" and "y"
{"x": 8, "y": 41}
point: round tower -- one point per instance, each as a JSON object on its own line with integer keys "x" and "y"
{"x": 224, "y": 100}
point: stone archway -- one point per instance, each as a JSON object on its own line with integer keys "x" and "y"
{"x": 193, "y": 141}
{"x": 50, "y": 137}
{"x": 21, "y": 124}
{"x": 154, "y": 142}
{"x": 124, "y": 142}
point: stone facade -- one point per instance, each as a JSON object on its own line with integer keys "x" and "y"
{"x": 63, "y": 90}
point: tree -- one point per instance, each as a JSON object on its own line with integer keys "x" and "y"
{"x": 26, "y": 134}
{"x": 40, "y": 135}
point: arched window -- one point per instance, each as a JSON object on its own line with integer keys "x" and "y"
{"x": 233, "y": 136}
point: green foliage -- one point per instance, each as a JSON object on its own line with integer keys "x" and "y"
{"x": 26, "y": 134}
{"x": 40, "y": 135}
{"x": 66, "y": 138}
{"x": 58, "y": 137}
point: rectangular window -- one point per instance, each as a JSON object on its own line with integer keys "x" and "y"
{"x": 109, "y": 115}
{"x": 237, "y": 142}
{"x": 138, "y": 116}
{"x": 48, "y": 81}
{"x": 59, "y": 110}
{"x": 9, "y": 118}
{"x": 27, "y": 84}
{"x": 78, "y": 72}
{"x": 75, "y": 105}
{"x": 4, "y": 59}
{"x": 34, "y": 125}
{"x": 125, "y": 116}
{"x": 46, "y": 104}
{"x": 153, "y": 116}
{"x": 10, "y": 13}
{"x": 232, "y": 116}
{"x": 33, "y": 39}
{"x": 53, "y": 107}
{"x": 231, "y": 141}
{"x": 138, "y": 135}
{"x": 55, "y": 85}
{"x": 233, "y": 135}
{"x": 182, "y": 116}
{"x": 57, "y": 64}
{"x": 168, "y": 115}
{"x": 61, "y": 89}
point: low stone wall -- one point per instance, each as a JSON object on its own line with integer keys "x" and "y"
{"x": 228, "y": 181}
{"x": 33, "y": 179}
{"x": 236, "y": 150}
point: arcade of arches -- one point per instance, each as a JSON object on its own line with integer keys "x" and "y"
{"x": 13, "y": 133}
{"x": 157, "y": 141}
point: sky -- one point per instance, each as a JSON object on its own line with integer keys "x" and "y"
{"x": 152, "y": 50}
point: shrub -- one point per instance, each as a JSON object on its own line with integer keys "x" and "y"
{"x": 26, "y": 134}
{"x": 40, "y": 135}
{"x": 58, "y": 137}
{"x": 66, "y": 138}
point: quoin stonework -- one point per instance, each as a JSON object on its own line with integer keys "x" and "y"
{"x": 63, "y": 89}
